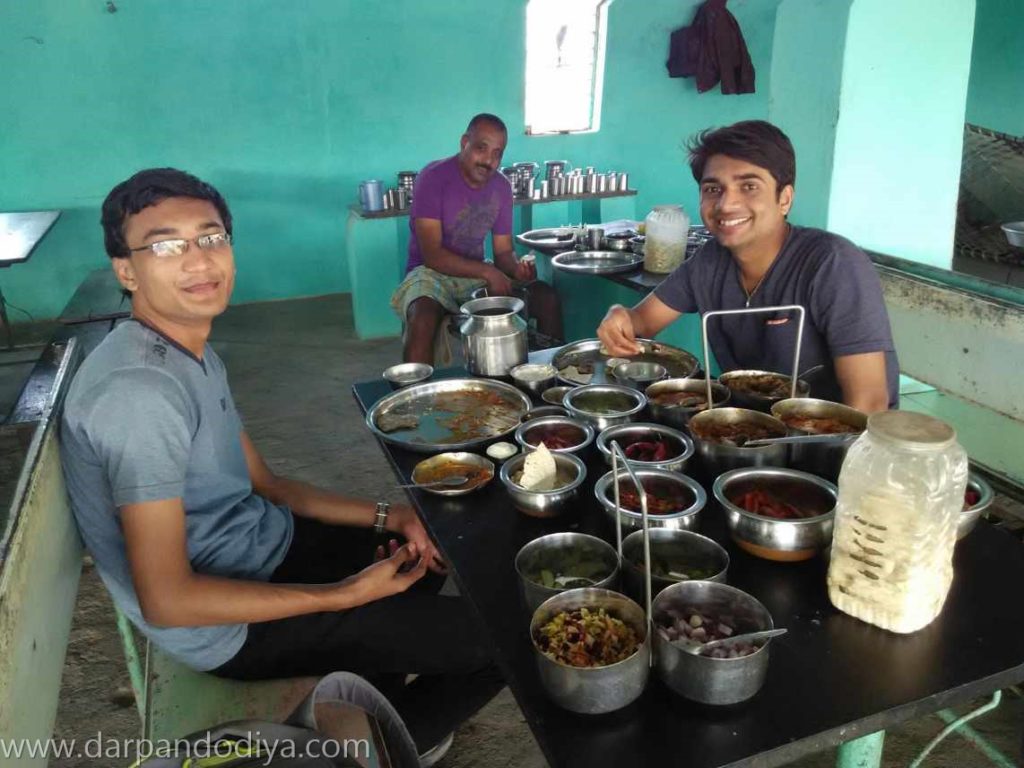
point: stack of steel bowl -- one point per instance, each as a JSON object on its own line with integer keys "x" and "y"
{"x": 679, "y": 415}
{"x": 772, "y": 538}
{"x": 821, "y": 459}
{"x": 718, "y": 456}
{"x": 544, "y": 503}
{"x": 596, "y": 689}
{"x": 685, "y": 555}
{"x": 702, "y": 678}
{"x": 680, "y": 446}
{"x": 692, "y": 493}
{"x": 742, "y": 397}
{"x": 546, "y": 552}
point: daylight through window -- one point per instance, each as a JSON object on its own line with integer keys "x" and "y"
{"x": 565, "y": 41}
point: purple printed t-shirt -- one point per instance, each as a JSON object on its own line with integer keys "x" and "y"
{"x": 466, "y": 214}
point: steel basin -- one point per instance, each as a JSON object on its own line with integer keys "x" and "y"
{"x": 594, "y": 690}
{"x": 818, "y": 458}
{"x": 679, "y": 416}
{"x": 701, "y": 678}
{"x": 540, "y": 550}
{"x": 696, "y": 550}
{"x": 685, "y": 518}
{"x": 627, "y": 434}
{"x": 543, "y": 503}
{"x": 772, "y": 539}
{"x": 717, "y": 457}
{"x": 603, "y": 420}
{"x": 969, "y": 517}
{"x": 742, "y": 398}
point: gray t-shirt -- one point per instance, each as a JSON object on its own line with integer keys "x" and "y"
{"x": 146, "y": 420}
{"x": 829, "y": 276}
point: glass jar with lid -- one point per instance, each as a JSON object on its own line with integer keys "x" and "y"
{"x": 901, "y": 490}
{"x": 665, "y": 230}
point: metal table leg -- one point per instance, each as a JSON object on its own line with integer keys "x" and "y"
{"x": 865, "y": 752}
{"x": 5, "y": 321}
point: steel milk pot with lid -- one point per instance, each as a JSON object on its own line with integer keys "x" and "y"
{"x": 493, "y": 335}
{"x": 901, "y": 490}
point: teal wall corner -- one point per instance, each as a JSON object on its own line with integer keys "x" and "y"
{"x": 995, "y": 95}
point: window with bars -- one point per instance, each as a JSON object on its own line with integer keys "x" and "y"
{"x": 565, "y": 45}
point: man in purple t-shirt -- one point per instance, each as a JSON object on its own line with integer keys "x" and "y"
{"x": 456, "y": 202}
{"x": 746, "y": 173}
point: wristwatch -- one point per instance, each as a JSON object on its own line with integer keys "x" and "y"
{"x": 381, "y": 517}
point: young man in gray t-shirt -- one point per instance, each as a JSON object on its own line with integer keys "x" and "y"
{"x": 226, "y": 566}
{"x": 746, "y": 174}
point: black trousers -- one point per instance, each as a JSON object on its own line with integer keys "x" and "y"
{"x": 433, "y": 636}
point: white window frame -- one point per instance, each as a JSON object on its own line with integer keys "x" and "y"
{"x": 593, "y": 121}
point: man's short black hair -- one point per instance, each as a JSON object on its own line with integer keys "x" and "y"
{"x": 755, "y": 141}
{"x": 486, "y": 117}
{"x": 147, "y": 188}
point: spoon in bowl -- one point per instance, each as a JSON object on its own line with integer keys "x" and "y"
{"x": 445, "y": 482}
{"x": 698, "y": 649}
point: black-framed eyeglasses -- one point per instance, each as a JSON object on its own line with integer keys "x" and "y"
{"x": 179, "y": 247}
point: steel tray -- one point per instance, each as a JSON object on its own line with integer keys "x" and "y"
{"x": 678, "y": 362}
{"x": 470, "y": 403}
{"x": 597, "y": 262}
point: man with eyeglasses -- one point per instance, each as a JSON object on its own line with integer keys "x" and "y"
{"x": 226, "y": 566}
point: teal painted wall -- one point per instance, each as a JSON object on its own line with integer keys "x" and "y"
{"x": 995, "y": 96}
{"x": 807, "y": 68}
{"x": 896, "y": 166}
{"x": 285, "y": 107}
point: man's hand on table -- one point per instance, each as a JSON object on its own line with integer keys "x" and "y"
{"x": 402, "y": 519}
{"x": 617, "y": 333}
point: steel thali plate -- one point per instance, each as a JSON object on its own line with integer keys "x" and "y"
{"x": 549, "y": 241}
{"x": 597, "y": 262}
{"x": 678, "y": 362}
{"x": 447, "y": 415}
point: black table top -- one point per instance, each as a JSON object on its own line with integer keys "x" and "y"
{"x": 21, "y": 232}
{"x": 832, "y": 678}
{"x": 98, "y": 297}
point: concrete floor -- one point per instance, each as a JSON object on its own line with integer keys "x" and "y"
{"x": 292, "y": 364}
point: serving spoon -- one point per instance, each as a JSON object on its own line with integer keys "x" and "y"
{"x": 749, "y": 637}
{"x": 447, "y": 482}
{"x": 837, "y": 439}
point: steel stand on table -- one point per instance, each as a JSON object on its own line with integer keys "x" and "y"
{"x": 865, "y": 752}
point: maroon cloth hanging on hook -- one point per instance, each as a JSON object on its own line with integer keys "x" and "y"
{"x": 712, "y": 49}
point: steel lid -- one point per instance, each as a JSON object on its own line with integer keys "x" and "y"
{"x": 909, "y": 430}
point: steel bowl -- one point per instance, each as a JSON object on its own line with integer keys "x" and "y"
{"x": 586, "y": 433}
{"x": 717, "y": 457}
{"x": 636, "y": 244}
{"x": 818, "y": 458}
{"x": 543, "y": 503}
{"x": 772, "y": 539}
{"x": 426, "y": 467}
{"x": 627, "y": 434}
{"x": 692, "y": 549}
{"x": 575, "y": 403}
{"x": 404, "y": 374}
{"x": 639, "y": 375}
{"x": 743, "y": 398}
{"x": 618, "y": 241}
{"x": 678, "y": 415}
{"x": 548, "y": 551}
{"x": 534, "y": 386}
{"x": 685, "y": 518}
{"x": 1014, "y": 231}
{"x": 543, "y": 411}
{"x": 554, "y": 395}
{"x": 969, "y": 517}
{"x": 701, "y": 678}
{"x": 593, "y": 690}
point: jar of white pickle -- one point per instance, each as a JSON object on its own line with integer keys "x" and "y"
{"x": 665, "y": 232}
{"x": 901, "y": 490}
